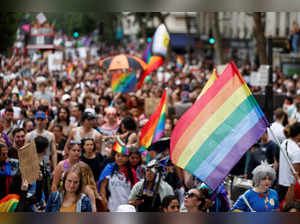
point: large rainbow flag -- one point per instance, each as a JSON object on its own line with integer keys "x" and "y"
{"x": 214, "y": 76}
{"x": 212, "y": 136}
{"x": 153, "y": 130}
{"x": 123, "y": 82}
{"x": 9, "y": 203}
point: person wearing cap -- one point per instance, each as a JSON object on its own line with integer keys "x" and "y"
{"x": 148, "y": 193}
{"x": 86, "y": 130}
{"x": 41, "y": 121}
{"x": 66, "y": 100}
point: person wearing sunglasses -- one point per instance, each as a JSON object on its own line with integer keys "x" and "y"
{"x": 194, "y": 201}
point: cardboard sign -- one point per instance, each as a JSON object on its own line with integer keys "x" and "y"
{"x": 261, "y": 77}
{"x": 151, "y": 105}
{"x": 55, "y": 61}
{"x": 29, "y": 162}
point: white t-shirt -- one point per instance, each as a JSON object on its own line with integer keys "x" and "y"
{"x": 277, "y": 129}
{"x": 292, "y": 150}
{"x": 119, "y": 188}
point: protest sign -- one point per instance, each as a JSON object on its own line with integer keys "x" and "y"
{"x": 29, "y": 162}
{"x": 55, "y": 61}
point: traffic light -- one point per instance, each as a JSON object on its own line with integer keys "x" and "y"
{"x": 75, "y": 34}
{"x": 212, "y": 41}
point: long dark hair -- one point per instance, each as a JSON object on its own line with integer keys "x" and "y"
{"x": 130, "y": 175}
{"x": 68, "y": 114}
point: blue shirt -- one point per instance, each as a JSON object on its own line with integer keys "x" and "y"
{"x": 266, "y": 202}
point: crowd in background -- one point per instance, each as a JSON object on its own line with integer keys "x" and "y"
{"x": 75, "y": 119}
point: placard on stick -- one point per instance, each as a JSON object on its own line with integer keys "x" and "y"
{"x": 29, "y": 162}
{"x": 151, "y": 105}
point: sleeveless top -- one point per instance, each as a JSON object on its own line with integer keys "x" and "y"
{"x": 77, "y": 136}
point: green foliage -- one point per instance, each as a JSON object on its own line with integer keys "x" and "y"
{"x": 8, "y": 26}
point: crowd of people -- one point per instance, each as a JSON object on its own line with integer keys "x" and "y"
{"x": 75, "y": 119}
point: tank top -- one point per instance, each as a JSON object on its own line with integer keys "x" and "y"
{"x": 71, "y": 208}
{"x": 77, "y": 136}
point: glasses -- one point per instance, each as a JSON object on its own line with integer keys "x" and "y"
{"x": 191, "y": 195}
{"x": 175, "y": 206}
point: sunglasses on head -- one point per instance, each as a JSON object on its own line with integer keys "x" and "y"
{"x": 74, "y": 142}
{"x": 191, "y": 195}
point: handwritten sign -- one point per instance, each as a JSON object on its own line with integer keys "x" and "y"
{"x": 29, "y": 162}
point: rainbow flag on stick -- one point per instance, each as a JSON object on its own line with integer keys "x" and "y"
{"x": 123, "y": 82}
{"x": 212, "y": 136}
{"x": 120, "y": 149}
{"x": 179, "y": 62}
{"x": 70, "y": 70}
{"x": 155, "y": 62}
{"x": 147, "y": 54}
{"x": 154, "y": 128}
{"x": 9, "y": 203}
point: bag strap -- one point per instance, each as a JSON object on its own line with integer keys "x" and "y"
{"x": 247, "y": 203}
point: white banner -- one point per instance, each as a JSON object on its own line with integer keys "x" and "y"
{"x": 55, "y": 61}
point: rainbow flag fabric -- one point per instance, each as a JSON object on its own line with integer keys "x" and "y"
{"x": 155, "y": 62}
{"x": 123, "y": 82}
{"x": 153, "y": 130}
{"x": 70, "y": 70}
{"x": 147, "y": 53}
{"x": 212, "y": 136}
{"x": 214, "y": 76}
{"x": 179, "y": 62}
{"x": 120, "y": 149}
{"x": 9, "y": 203}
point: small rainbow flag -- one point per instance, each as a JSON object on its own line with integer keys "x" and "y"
{"x": 9, "y": 203}
{"x": 179, "y": 62}
{"x": 123, "y": 82}
{"x": 21, "y": 95}
{"x": 213, "y": 135}
{"x": 120, "y": 149}
{"x": 70, "y": 70}
{"x": 154, "y": 128}
{"x": 155, "y": 62}
{"x": 147, "y": 54}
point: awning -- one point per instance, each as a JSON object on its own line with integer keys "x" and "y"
{"x": 181, "y": 41}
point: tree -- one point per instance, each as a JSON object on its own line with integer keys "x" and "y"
{"x": 218, "y": 38}
{"x": 259, "y": 33}
{"x": 8, "y": 26}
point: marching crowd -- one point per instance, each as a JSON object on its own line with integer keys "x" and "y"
{"x": 75, "y": 118}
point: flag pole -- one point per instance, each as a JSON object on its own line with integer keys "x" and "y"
{"x": 283, "y": 152}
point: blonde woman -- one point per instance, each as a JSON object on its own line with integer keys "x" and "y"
{"x": 89, "y": 187}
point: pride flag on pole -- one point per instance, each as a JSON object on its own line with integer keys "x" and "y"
{"x": 212, "y": 136}
{"x": 155, "y": 62}
{"x": 154, "y": 128}
{"x": 179, "y": 62}
{"x": 123, "y": 82}
{"x": 120, "y": 149}
{"x": 147, "y": 54}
